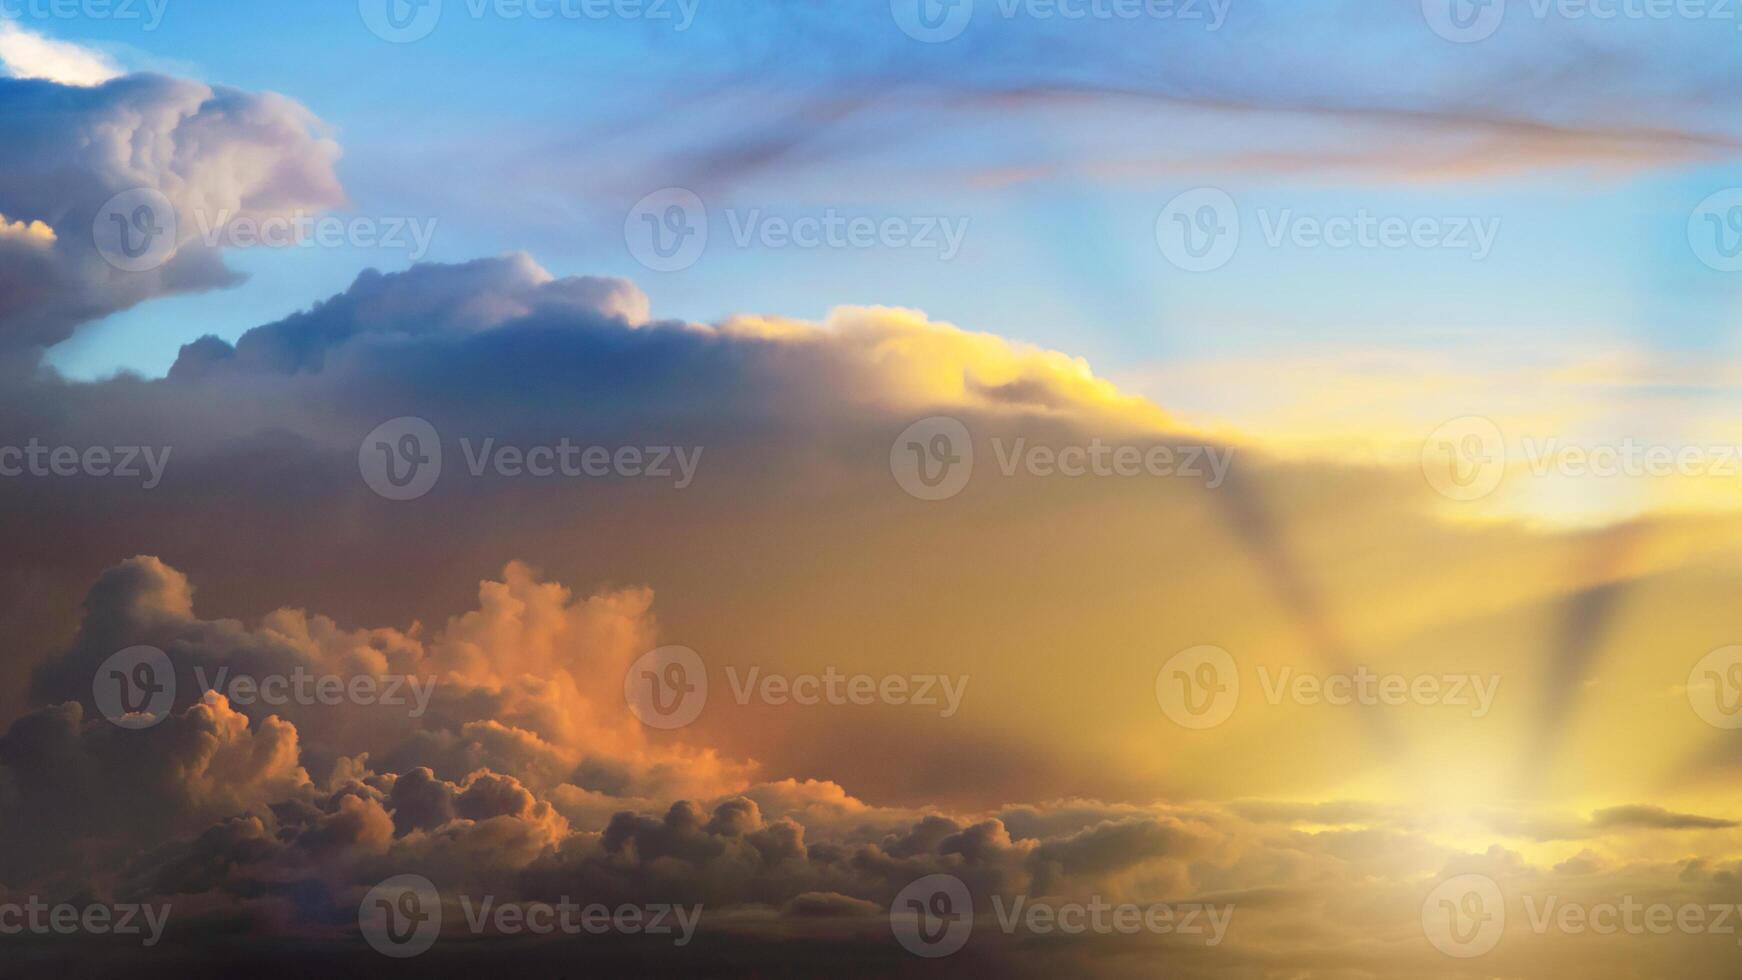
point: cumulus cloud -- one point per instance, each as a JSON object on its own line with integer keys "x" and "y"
{"x": 524, "y": 601}
{"x": 69, "y": 147}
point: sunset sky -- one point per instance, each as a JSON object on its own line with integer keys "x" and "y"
{"x": 1282, "y": 458}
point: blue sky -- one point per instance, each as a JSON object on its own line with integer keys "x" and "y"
{"x": 518, "y": 134}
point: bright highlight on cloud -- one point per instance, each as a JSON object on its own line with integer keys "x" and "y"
{"x": 27, "y": 55}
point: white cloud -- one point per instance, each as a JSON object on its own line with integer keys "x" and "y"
{"x": 27, "y": 55}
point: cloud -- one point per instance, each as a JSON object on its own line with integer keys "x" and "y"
{"x": 69, "y": 152}
{"x": 524, "y": 601}
{"x": 1655, "y": 818}
{"x": 27, "y": 55}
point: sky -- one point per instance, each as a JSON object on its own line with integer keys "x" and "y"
{"x": 1268, "y": 458}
